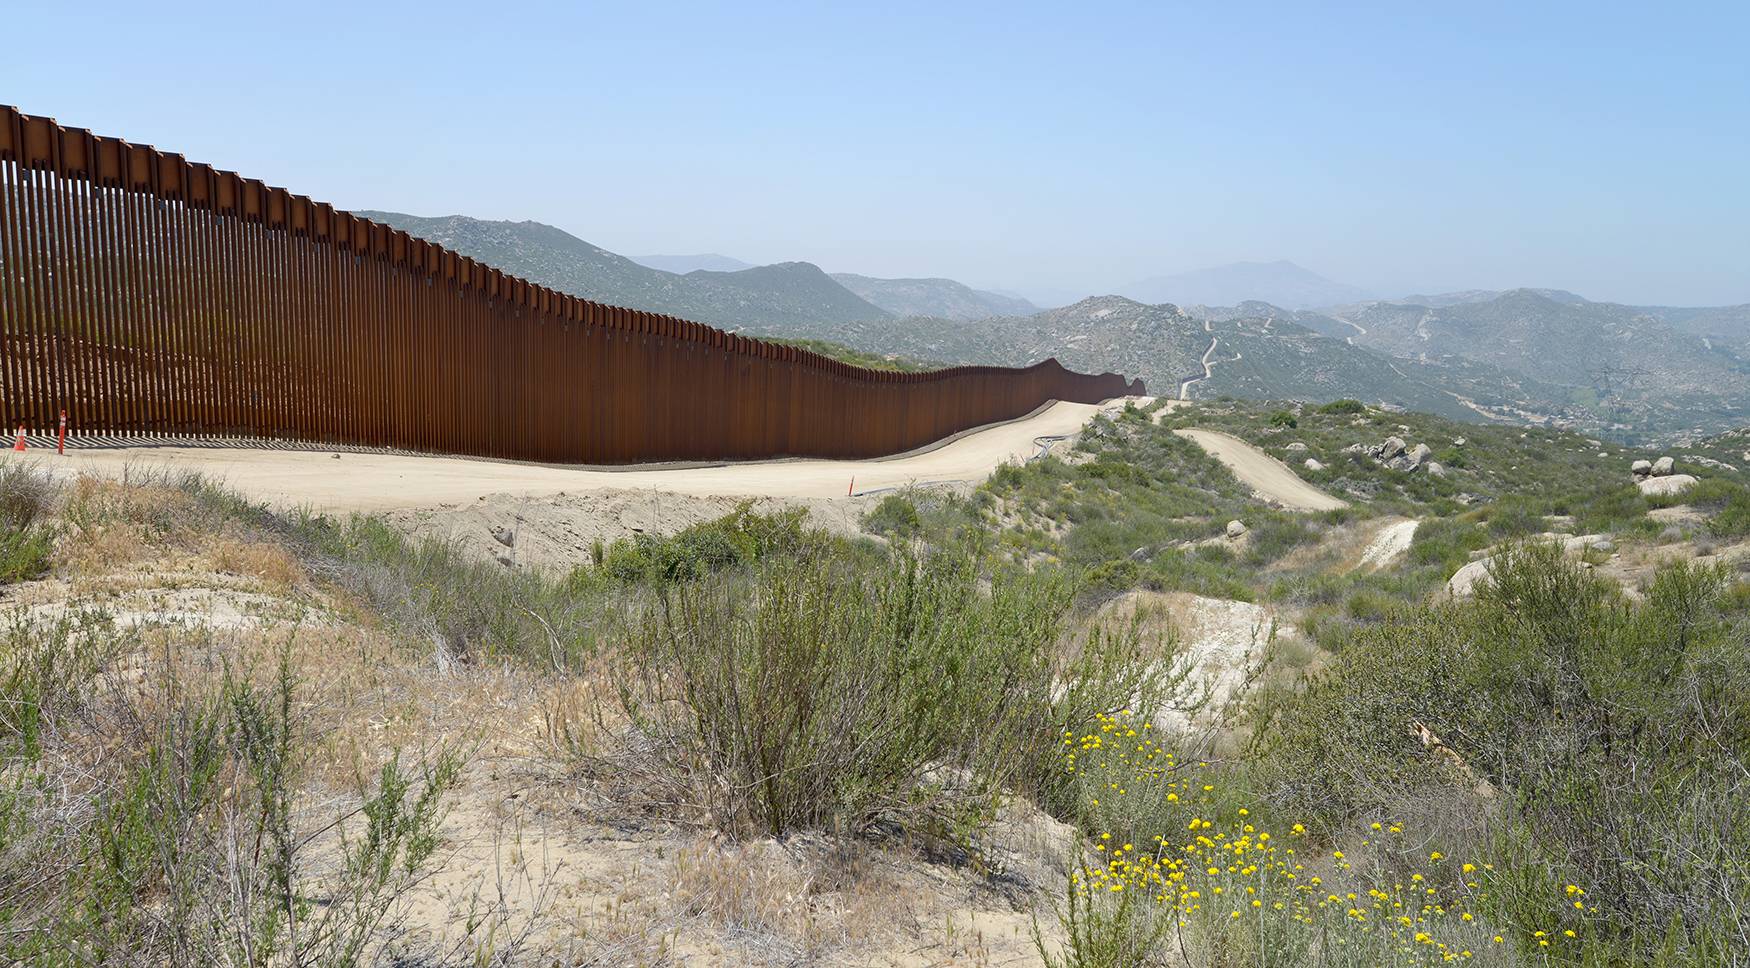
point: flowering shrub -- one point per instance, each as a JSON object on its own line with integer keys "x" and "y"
{"x": 1175, "y": 858}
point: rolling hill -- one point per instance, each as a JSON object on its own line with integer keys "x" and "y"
{"x": 788, "y": 292}
{"x": 933, "y": 297}
{"x": 683, "y": 264}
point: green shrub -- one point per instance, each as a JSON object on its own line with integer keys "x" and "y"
{"x": 1283, "y": 418}
{"x": 1728, "y": 502}
{"x": 1111, "y": 577}
{"x": 1344, "y": 406}
{"x": 26, "y": 541}
{"x": 737, "y": 539}
{"x": 25, "y": 554}
{"x": 895, "y": 516}
{"x": 191, "y": 851}
{"x": 827, "y": 692}
{"x": 1593, "y": 728}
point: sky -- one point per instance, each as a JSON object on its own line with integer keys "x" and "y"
{"x": 1055, "y": 149}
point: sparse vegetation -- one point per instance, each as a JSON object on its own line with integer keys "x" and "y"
{"x": 1549, "y": 755}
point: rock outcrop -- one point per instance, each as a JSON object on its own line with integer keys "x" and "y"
{"x": 1666, "y": 485}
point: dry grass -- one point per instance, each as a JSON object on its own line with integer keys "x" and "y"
{"x": 257, "y": 559}
{"x": 549, "y": 841}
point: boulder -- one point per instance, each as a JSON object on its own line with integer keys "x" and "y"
{"x": 1641, "y": 468}
{"x": 1667, "y": 485}
{"x": 1464, "y": 581}
{"x": 1392, "y": 447}
{"x": 1236, "y": 529}
{"x": 1418, "y": 454}
{"x": 1312, "y": 464}
{"x": 1296, "y": 447}
{"x": 1664, "y": 467}
{"x": 1458, "y": 441}
{"x": 1434, "y": 468}
{"x": 505, "y": 536}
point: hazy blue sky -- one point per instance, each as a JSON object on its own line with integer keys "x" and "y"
{"x": 1054, "y": 147}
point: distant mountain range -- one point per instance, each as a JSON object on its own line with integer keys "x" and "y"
{"x": 934, "y": 297}
{"x": 1553, "y": 356}
{"x": 1279, "y": 283}
{"x": 683, "y": 264}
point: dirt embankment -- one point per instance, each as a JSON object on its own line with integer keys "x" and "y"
{"x": 1269, "y": 477}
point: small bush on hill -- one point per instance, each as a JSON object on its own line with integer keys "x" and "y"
{"x": 895, "y": 516}
{"x": 824, "y": 693}
{"x": 26, "y": 541}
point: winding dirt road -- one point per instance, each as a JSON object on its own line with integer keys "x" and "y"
{"x": 372, "y": 481}
{"x": 1208, "y": 361}
{"x": 1268, "y": 477}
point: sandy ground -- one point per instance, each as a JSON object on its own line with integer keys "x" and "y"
{"x": 1269, "y": 477}
{"x": 559, "y": 530}
{"x": 1389, "y": 544}
{"x": 1221, "y": 641}
{"x": 381, "y": 482}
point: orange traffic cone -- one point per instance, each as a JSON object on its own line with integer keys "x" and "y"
{"x": 19, "y": 443}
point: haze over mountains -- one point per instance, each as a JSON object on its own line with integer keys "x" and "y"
{"x": 683, "y": 264}
{"x": 934, "y": 297}
{"x": 1523, "y": 355}
{"x": 1280, "y": 283}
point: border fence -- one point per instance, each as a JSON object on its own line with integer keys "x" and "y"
{"x": 143, "y": 294}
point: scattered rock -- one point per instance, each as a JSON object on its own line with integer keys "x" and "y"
{"x": 504, "y": 536}
{"x": 1458, "y": 441}
{"x": 1669, "y": 484}
{"x": 1664, "y": 467}
{"x": 1312, "y": 464}
{"x": 1236, "y": 529}
{"x": 1718, "y": 465}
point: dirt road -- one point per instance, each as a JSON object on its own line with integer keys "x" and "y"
{"x": 1269, "y": 477}
{"x": 383, "y": 482}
